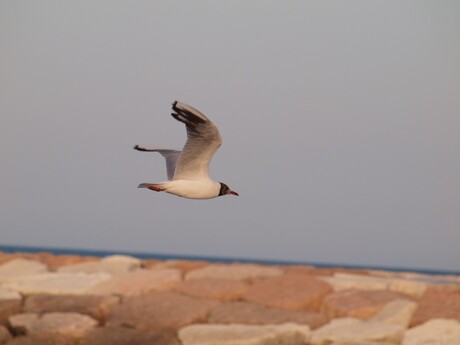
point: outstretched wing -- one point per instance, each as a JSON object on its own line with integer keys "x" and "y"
{"x": 203, "y": 141}
{"x": 171, "y": 157}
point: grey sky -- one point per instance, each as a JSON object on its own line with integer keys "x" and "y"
{"x": 340, "y": 122}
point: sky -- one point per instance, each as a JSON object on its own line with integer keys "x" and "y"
{"x": 340, "y": 124}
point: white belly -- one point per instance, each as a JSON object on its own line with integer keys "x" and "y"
{"x": 191, "y": 189}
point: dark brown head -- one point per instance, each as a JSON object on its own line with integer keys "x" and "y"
{"x": 224, "y": 190}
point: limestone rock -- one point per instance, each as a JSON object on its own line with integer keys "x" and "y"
{"x": 42, "y": 339}
{"x": 256, "y": 314}
{"x": 6, "y": 295}
{"x": 21, "y": 267}
{"x": 98, "y": 307}
{"x": 289, "y": 334}
{"x": 55, "y": 261}
{"x": 134, "y": 262}
{"x": 343, "y": 281}
{"x": 184, "y": 266}
{"x": 112, "y": 264}
{"x": 68, "y": 324}
{"x": 8, "y": 308}
{"x": 290, "y": 291}
{"x": 10, "y": 304}
{"x": 434, "y": 332}
{"x": 56, "y": 283}
{"x": 349, "y": 330}
{"x": 4, "y": 334}
{"x": 125, "y": 336}
{"x": 138, "y": 282}
{"x": 160, "y": 310}
{"x": 442, "y": 302}
{"x": 361, "y": 304}
{"x": 409, "y": 287}
{"x": 234, "y": 271}
{"x": 397, "y": 312}
{"x": 221, "y": 289}
{"x": 361, "y": 343}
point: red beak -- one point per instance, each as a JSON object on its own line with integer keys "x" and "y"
{"x": 233, "y": 193}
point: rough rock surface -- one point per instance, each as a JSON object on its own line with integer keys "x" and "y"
{"x": 213, "y": 288}
{"x": 291, "y": 334}
{"x": 21, "y": 267}
{"x": 138, "y": 282}
{"x": 434, "y": 332}
{"x": 98, "y": 307}
{"x": 4, "y": 334}
{"x": 7, "y": 295}
{"x": 152, "y": 301}
{"x": 112, "y": 264}
{"x": 355, "y": 330}
{"x": 398, "y": 312}
{"x": 157, "y": 310}
{"x": 441, "y": 302}
{"x": 346, "y": 281}
{"x": 8, "y": 308}
{"x": 56, "y": 283}
{"x": 256, "y": 314}
{"x": 184, "y": 266}
{"x": 42, "y": 339}
{"x": 128, "y": 336}
{"x": 362, "y": 304}
{"x": 234, "y": 271}
{"x": 68, "y": 324}
{"x": 289, "y": 291}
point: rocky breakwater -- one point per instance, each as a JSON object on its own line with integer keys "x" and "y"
{"x": 50, "y": 299}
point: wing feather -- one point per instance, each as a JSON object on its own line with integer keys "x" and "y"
{"x": 203, "y": 140}
{"x": 171, "y": 157}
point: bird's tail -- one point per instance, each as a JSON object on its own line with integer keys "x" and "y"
{"x": 152, "y": 186}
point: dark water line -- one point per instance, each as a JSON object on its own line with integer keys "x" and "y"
{"x": 140, "y": 255}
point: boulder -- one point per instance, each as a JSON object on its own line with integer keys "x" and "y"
{"x": 160, "y": 310}
{"x": 42, "y": 339}
{"x": 21, "y": 267}
{"x": 289, "y": 291}
{"x": 397, "y": 312}
{"x": 441, "y": 302}
{"x": 291, "y": 334}
{"x": 434, "y": 332}
{"x": 213, "y": 288}
{"x": 98, "y": 307}
{"x": 125, "y": 336}
{"x": 361, "y": 304}
{"x": 349, "y": 330}
{"x": 256, "y": 314}
{"x": 115, "y": 264}
{"x": 56, "y": 283}
{"x": 68, "y": 324}
{"x": 138, "y": 282}
{"x": 234, "y": 271}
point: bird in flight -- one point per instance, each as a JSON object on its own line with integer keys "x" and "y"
{"x": 187, "y": 170}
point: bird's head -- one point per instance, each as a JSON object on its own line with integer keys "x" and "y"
{"x": 224, "y": 190}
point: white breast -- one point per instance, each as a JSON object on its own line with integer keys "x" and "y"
{"x": 193, "y": 189}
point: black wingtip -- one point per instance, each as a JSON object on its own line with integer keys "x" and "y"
{"x": 138, "y": 148}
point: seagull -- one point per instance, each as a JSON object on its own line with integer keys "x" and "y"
{"x": 187, "y": 170}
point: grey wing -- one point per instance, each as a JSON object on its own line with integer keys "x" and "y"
{"x": 203, "y": 141}
{"x": 171, "y": 157}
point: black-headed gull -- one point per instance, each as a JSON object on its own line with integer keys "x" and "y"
{"x": 188, "y": 169}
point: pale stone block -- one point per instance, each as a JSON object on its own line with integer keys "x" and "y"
{"x": 203, "y": 334}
